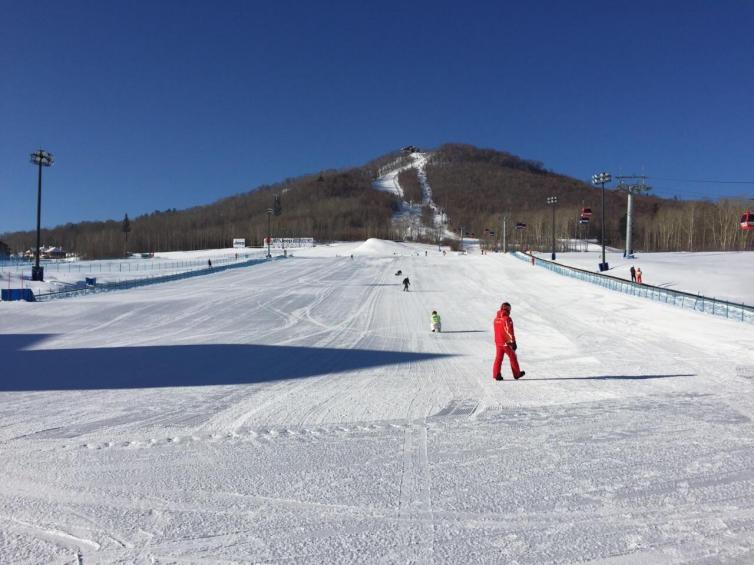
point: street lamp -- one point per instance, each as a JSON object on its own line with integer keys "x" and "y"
{"x": 602, "y": 178}
{"x": 41, "y": 158}
{"x": 552, "y": 201}
{"x": 269, "y": 213}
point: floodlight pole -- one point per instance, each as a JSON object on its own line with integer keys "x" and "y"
{"x": 39, "y": 219}
{"x": 602, "y": 178}
{"x": 269, "y": 213}
{"x": 505, "y": 238}
{"x": 552, "y": 201}
{"x": 41, "y": 158}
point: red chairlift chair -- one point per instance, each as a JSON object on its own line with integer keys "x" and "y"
{"x": 747, "y": 221}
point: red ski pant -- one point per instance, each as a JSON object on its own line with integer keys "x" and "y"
{"x": 502, "y": 350}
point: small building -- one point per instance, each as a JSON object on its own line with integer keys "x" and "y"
{"x": 55, "y": 253}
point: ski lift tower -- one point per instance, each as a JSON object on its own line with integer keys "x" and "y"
{"x": 631, "y": 187}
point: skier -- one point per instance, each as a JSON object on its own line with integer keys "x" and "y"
{"x": 436, "y": 322}
{"x": 633, "y": 274}
{"x": 638, "y": 275}
{"x": 406, "y": 284}
{"x": 505, "y": 343}
{"x": 209, "y": 263}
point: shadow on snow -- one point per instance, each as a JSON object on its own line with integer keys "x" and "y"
{"x": 176, "y": 365}
{"x": 607, "y": 377}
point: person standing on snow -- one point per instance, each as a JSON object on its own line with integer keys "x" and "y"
{"x": 633, "y": 274}
{"x": 406, "y": 284}
{"x": 505, "y": 343}
{"x": 638, "y": 275}
{"x": 436, "y": 322}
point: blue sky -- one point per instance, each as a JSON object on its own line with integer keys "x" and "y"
{"x": 156, "y": 105}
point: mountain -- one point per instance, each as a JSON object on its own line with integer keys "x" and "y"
{"x": 453, "y": 186}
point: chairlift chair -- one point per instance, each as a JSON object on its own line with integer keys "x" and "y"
{"x": 747, "y": 221}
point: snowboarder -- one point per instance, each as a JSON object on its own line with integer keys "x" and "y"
{"x": 436, "y": 322}
{"x": 633, "y": 274}
{"x": 505, "y": 343}
{"x": 638, "y": 275}
{"x": 406, "y": 284}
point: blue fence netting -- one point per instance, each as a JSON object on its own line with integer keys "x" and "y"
{"x": 91, "y": 286}
{"x": 697, "y": 302}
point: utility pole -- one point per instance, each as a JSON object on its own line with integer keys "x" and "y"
{"x": 602, "y": 178}
{"x": 631, "y": 189}
{"x": 552, "y": 201}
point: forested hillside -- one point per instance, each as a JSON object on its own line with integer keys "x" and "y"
{"x": 475, "y": 187}
{"x": 333, "y": 205}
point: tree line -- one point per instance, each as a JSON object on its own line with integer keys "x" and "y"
{"x": 332, "y": 205}
{"x": 476, "y": 188}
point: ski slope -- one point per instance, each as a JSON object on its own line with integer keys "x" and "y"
{"x": 301, "y": 411}
{"x": 726, "y": 275}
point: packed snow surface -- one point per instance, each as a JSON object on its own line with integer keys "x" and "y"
{"x": 301, "y": 411}
{"x": 724, "y": 275}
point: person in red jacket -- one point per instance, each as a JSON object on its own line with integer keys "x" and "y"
{"x": 505, "y": 343}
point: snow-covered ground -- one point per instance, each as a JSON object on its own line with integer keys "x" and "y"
{"x": 723, "y": 275}
{"x": 301, "y": 411}
{"x": 60, "y": 275}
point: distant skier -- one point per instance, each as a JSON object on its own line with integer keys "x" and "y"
{"x": 406, "y": 284}
{"x": 633, "y": 274}
{"x": 209, "y": 263}
{"x": 436, "y": 322}
{"x": 638, "y": 275}
{"x": 398, "y": 273}
{"x": 505, "y": 343}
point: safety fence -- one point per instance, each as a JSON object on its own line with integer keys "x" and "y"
{"x": 127, "y": 266}
{"x": 84, "y": 288}
{"x": 698, "y": 302}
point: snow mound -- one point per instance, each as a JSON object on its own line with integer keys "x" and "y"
{"x": 382, "y": 248}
